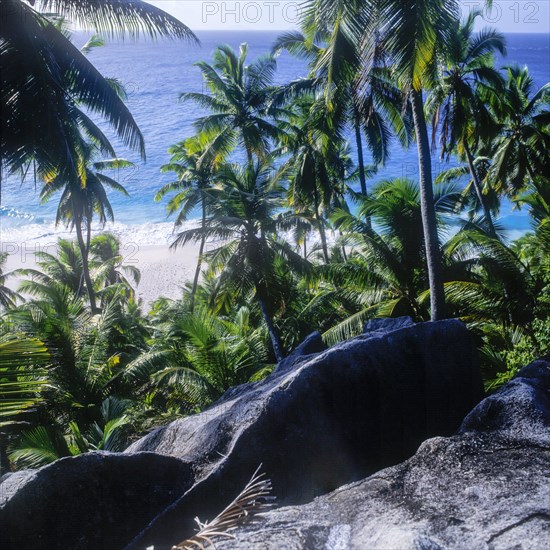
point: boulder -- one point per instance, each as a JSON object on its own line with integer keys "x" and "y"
{"x": 95, "y": 500}
{"x": 322, "y": 419}
{"x": 486, "y": 488}
{"x": 336, "y": 416}
{"x": 379, "y": 327}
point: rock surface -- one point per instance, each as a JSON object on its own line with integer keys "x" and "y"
{"x": 97, "y": 500}
{"x": 486, "y": 488}
{"x": 333, "y": 417}
{"x": 322, "y": 419}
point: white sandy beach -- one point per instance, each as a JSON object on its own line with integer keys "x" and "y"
{"x": 163, "y": 271}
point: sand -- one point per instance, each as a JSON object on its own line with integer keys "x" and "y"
{"x": 163, "y": 271}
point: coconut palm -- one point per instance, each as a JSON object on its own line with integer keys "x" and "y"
{"x": 83, "y": 198}
{"x": 62, "y": 266}
{"x": 23, "y": 375}
{"x": 246, "y": 218}
{"x": 385, "y": 275}
{"x": 40, "y": 104}
{"x": 45, "y": 444}
{"x": 197, "y": 356}
{"x": 522, "y": 146}
{"x": 193, "y": 187}
{"x": 239, "y": 101}
{"x": 457, "y": 109}
{"x": 318, "y": 167}
{"x": 413, "y": 37}
{"x": 110, "y": 270}
{"x": 506, "y": 289}
{"x": 85, "y": 353}
{"x": 333, "y": 54}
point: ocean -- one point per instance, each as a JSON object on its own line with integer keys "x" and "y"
{"x": 154, "y": 74}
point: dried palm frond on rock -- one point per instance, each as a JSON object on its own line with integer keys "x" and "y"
{"x": 254, "y": 499}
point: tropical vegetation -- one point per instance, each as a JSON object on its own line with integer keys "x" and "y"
{"x": 303, "y": 235}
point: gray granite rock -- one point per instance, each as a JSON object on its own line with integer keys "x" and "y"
{"x": 97, "y": 500}
{"x": 334, "y": 417}
{"x": 486, "y": 488}
{"x": 327, "y": 418}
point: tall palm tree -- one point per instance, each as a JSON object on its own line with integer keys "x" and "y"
{"x": 522, "y": 146}
{"x": 239, "y": 103}
{"x": 45, "y": 79}
{"x": 83, "y": 198}
{"x": 411, "y": 34}
{"x": 386, "y": 274}
{"x": 246, "y": 218}
{"x": 193, "y": 187}
{"x": 414, "y": 34}
{"x": 333, "y": 54}
{"x": 455, "y": 104}
{"x": 318, "y": 166}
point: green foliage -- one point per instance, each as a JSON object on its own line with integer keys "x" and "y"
{"x": 296, "y": 248}
{"x": 22, "y": 375}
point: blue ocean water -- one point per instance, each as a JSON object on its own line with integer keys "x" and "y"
{"x": 155, "y": 73}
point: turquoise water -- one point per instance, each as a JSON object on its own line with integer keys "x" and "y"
{"x": 154, "y": 75}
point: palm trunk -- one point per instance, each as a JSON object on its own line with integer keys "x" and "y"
{"x": 85, "y": 266}
{"x": 321, "y": 227}
{"x": 272, "y": 330}
{"x": 199, "y": 260}
{"x": 479, "y": 191}
{"x": 429, "y": 221}
{"x": 344, "y": 253}
{"x": 360, "y": 159}
{"x": 249, "y": 157}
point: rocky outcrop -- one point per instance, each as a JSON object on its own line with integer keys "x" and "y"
{"x": 486, "y": 488}
{"x": 322, "y": 419}
{"x": 335, "y": 416}
{"x": 97, "y": 500}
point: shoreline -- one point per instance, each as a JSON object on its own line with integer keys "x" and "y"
{"x": 164, "y": 272}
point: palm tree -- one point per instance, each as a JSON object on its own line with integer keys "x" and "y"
{"x": 22, "y": 376}
{"x": 318, "y": 166}
{"x": 195, "y": 175}
{"x": 385, "y": 275}
{"x": 411, "y": 35}
{"x": 86, "y": 354}
{"x": 198, "y": 355}
{"x": 44, "y": 444}
{"x": 8, "y": 297}
{"x": 334, "y": 58}
{"x": 245, "y": 216}
{"x": 455, "y": 103}
{"x": 239, "y": 101}
{"x": 40, "y": 104}
{"x": 64, "y": 268}
{"x": 81, "y": 199}
{"x": 414, "y": 34}
{"x": 522, "y": 146}
{"x": 110, "y": 271}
